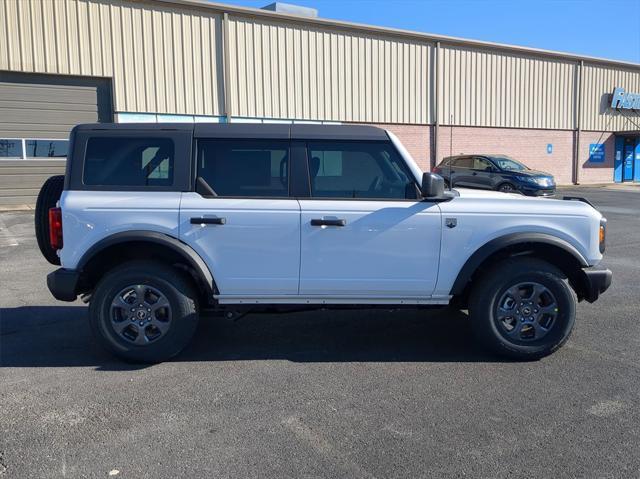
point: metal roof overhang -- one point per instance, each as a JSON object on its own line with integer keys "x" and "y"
{"x": 256, "y": 12}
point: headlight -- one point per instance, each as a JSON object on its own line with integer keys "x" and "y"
{"x": 537, "y": 180}
{"x": 528, "y": 179}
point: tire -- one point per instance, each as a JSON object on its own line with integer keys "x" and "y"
{"x": 506, "y": 188}
{"x": 47, "y": 198}
{"x": 113, "y": 327}
{"x": 491, "y": 324}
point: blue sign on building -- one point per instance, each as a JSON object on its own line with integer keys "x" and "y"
{"x": 549, "y": 148}
{"x": 596, "y": 153}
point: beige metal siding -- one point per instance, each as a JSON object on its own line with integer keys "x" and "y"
{"x": 301, "y": 71}
{"x": 597, "y": 86}
{"x": 163, "y": 59}
{"x": 485, "y": 88}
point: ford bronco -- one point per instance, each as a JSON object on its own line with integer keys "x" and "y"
{"x": 154, "y": 223}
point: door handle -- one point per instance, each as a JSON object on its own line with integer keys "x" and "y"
{"x": 332, "y": 222}
{"x": 475, "y": 174}
{"x": 208, "y": 221}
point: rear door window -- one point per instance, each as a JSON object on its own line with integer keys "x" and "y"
{"x": 129, "y": 161}
{"x": 463, "y": 162}
{"x": 245, "y": 168}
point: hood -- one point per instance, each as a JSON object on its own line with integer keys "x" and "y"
{"x": 491, "y": 194}
{"x": 495, "y": 201}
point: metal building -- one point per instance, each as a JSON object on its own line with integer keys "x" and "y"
{"x": 64, "y": 62}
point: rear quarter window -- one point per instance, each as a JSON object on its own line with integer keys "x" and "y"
{"x": 129, "y": 161}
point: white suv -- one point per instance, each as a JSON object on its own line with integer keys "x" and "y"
{"x": 154, "y": 223}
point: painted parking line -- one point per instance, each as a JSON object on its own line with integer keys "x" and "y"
{"x": 6, "y": 238}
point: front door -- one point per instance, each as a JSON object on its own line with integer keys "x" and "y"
{"x": 242, "y": 221}
{"x": 364, "y": 232}
{"x": 627, "y": 159}
{"x": 482, "y": 174}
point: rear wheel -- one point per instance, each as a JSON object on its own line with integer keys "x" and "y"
{"x": 523, "y": 308}
{"x": 47, "y": 198}
{"x": 144, "y": 311}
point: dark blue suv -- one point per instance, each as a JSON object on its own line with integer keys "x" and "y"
{"x": 495, "y": 172}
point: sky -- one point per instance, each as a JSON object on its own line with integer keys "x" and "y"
{"x": 597, "y": 28}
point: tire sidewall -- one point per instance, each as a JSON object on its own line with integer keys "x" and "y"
{"x": 48, "y": 197}
{"x": 485, "y": 319}
{"x": 184, "y": 316}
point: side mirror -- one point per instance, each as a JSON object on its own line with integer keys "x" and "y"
{"x": 432, "y": 186}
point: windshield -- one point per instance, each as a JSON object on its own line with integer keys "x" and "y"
{"x": 509, "y": 164}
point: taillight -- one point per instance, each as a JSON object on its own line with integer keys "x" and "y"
{"x": 55, "y": 228}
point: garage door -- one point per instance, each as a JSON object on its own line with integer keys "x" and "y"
{"x": 37, "y": 113}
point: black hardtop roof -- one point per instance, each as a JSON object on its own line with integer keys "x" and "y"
{"x": 296, "y": 131}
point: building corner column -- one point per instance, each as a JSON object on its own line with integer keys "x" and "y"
{"x": 436, "y": 112}
{"x": 226, "y": 87}
{"x": 577, "y": 122}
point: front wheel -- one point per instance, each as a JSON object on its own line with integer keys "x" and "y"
{"x": 523, "y": 308}
{"x": 144, "y": 311}
{"x": 507, "y": 188}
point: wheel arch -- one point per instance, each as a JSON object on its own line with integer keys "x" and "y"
{"x": 547, "y": 247}
{"x": 131, "y": 245}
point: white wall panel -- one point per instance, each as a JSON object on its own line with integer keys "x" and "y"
{"x": 286, "y": 70}
{"x": 162, "y": 58}
{"x": 490, "y": 88}
{"x": 597, "y": 86}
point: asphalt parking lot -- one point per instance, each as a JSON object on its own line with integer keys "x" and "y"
{"x": 373, "y": 394}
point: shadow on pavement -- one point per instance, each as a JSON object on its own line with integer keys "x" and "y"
{"x": 59, "y": 336}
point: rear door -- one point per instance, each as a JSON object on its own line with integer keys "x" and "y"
{"x": 364, "y": 232}
{"x": 241, "y": 219}
{"x": 461, "y": 171}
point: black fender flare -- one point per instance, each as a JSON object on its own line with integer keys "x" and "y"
{"x": 512, "y": 239}
{"x": 193, "y": 259}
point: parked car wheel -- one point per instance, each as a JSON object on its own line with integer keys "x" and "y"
{"x": 47, "y": 198}
{"x": 144, "y": 311}
{"x": 523, "y": 308}
{"x": 507, "y": 188}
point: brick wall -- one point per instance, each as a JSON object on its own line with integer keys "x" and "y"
{"x": 416, "y": 139}
{"x": 527, "y": 146}
{"x": 596, "y": 172}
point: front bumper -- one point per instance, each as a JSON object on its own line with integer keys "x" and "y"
{"x": 63, "y": 284}
{"x": 596, "y": 282}
{"x": 548, "y": 191}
